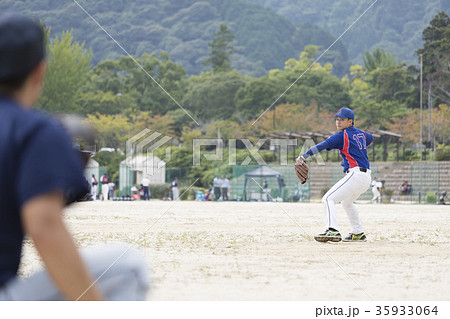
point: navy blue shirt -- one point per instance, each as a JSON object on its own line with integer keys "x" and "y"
{"x": 36, "y": 157}
{"x": 352, "y": 145}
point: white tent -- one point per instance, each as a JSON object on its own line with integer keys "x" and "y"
{"x": 263, "y": 172}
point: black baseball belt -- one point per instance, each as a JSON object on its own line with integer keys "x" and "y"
{"x": 362, "y": 169}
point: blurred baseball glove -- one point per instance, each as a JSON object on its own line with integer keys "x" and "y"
{"x": 301, "y": 169}
{"x": 82, "y": 134}
{"x": 83, "y": 140}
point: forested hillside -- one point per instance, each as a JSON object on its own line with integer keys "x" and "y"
{"x": 263, "y": 39}
{"x": 396, "y": 26}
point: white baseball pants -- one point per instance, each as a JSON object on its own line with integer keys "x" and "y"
{"x": 376, "y": 195}
{"x": 94, "y": 192}
{"x": 125, "y": 278}
{"x": 347, "y": 190}
{"x": 105, "y": 190}
{"x": 175, "y": 193}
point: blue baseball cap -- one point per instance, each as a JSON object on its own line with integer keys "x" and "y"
{"x": 22, "y": 46}
{"x": 345, "y": 113}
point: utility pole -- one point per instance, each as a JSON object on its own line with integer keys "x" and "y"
{"x": 274, "y": 116}
{"x": 120, "y": 98}
{"x": 430, "y": 106}
{"x": 421, "y": 128}
{"x": 429, "y": 112}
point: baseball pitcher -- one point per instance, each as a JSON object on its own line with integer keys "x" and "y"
{"x": 352, "y": 145}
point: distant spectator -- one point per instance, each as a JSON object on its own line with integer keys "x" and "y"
{"x": 442, "y": 198}
{"x": 105, "y": 186}
{"x": 111, "y": 187}
{"x": 405, "y": 188}
{"x": 135, "y": 193}
{"x": 225, "y": 187}
{"x": 266, "y": 189}
{"x": 376, "y": 190}
{"x": 217, "y": 183}
{"x": 145, "y": 188}
{"x": 209, "y": 192}
{"x": 94, "y": 184}
{"x": 175, "y": 191}
{"x": 141, "y": 192}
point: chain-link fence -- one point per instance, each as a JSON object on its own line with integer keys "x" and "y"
{"x": 426, "y": 181}
{"x": 179, "y": 172}
{"x": 126, "y": 180}
{"x": 286, "y": 188}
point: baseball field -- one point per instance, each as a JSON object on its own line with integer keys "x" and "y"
{"x": 266, "y": 251}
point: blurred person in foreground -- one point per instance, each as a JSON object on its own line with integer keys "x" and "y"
{"x": 38, "y": 166}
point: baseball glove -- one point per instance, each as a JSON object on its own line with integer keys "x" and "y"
{"x": 301, "y": 169}
{"x": 82, "y": 134}
{"x": 83, "y": 140}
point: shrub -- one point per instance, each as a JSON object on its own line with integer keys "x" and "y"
{"x": 387, "y": 195}
{"x": 431, "y": 198}
{"x": 286, "y": 194}
{"x": 410, "y": 155}
{"x": 186, "y": 195}
{"x": 159, "y": 190}
{"x": 275, "y": 193}
{"x": 442, "y": 153}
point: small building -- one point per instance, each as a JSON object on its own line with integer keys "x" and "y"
{"x": 92, "y": 167}
{"x": 133, "y": 169}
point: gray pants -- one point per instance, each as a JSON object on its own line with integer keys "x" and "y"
{"x": 127, "y": 279}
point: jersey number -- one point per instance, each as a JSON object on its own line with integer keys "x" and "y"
{"x": 360, "y": 140}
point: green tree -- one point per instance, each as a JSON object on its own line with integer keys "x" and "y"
{"x": 375, "y": 114}
{"x": 315, "y": 85}
{"x": 162, "y": 124}
{"x": 436, "y": 56}
{"x": 112, "y": 162}
{"x": 378, "y": 59}
{"x": 139, "y": 91}
{"x": 256, "y": 96}
{"x": 212, "y": 96}
{"x": 329, "y": 92}
{"x": 382, "y": 94}
{"x": 228, "y": 129}
{"x": 113, "y": 130}
{"x": 93, "y": 101}
{"x": 68, "y": 70}
{"x": 221, "y": 50}
{"x": 395, "y": 83}
{"x": 180, "y": 120}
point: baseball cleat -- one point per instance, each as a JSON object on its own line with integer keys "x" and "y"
{"x": 329, "y": 235}
{"x": 355, "y": 237}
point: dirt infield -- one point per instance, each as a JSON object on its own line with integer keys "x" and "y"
{"x": 266, "y": 251}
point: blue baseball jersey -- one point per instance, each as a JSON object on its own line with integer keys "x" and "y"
{"x": 352, "y": 145}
